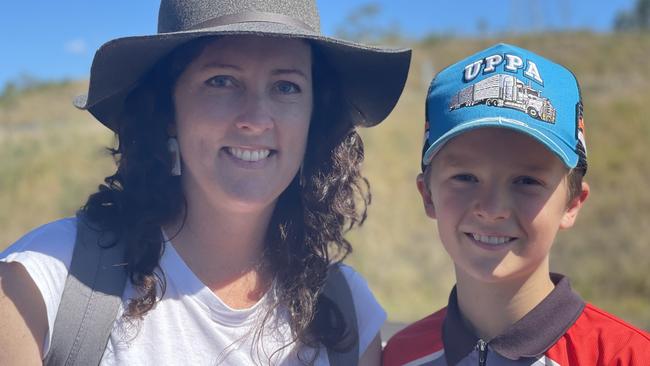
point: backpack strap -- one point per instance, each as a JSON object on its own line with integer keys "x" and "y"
{"x": 91, "y": 298}
{"x": 338, "y": 290}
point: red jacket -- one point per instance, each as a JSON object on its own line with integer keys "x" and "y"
{"x": 561, "y": 330}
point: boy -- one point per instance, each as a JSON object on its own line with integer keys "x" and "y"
{"x": 503, "y": 162}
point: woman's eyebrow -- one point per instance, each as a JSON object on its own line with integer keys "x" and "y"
{"x": 275, "y": 72}
{"x": 298, "y": 72}
{"x": 220, "y": 65}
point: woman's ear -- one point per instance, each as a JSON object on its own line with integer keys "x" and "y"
{"x": 574, "y": 206}
{"x": 423, "y": 188}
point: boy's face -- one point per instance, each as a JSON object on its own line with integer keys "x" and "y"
{"x": 499, "y": 197}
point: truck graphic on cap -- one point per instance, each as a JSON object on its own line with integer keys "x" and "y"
{"x": 505, "y": 91}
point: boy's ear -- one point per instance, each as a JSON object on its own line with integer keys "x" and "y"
{"x": 426, "y": 195}
{"x": 573, "y": 208}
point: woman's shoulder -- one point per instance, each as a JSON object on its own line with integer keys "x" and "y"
{"x": 355, "y": 280}
{"x": 370, "y": 315}
{"x": 46, "y": 252}
{"x": 52, "y": 241}
{"x": 368, "y": 309}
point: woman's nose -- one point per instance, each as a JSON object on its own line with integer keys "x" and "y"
{"x": 255, "y": 115}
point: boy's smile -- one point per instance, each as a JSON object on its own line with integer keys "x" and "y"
{"x": 499, "y": 197}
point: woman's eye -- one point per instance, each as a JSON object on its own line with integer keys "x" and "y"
{"x": 287, "y": 87}
{"x": 464, "y": 178}
{"x": 221, "y": 81}
{"x": 529, "y": 181}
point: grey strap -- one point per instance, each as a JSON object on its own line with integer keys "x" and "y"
{"x": 338, "y": 290}
{"x": 90, "y": 300}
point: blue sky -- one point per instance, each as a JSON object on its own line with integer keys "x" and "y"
{"x": 57, "y": 39}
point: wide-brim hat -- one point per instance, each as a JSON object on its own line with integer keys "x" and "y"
{"x": 372, "y": 78}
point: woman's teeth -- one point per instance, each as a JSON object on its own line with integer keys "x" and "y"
{"x": 249, "y": 155}
{"x": 494, "y": 240}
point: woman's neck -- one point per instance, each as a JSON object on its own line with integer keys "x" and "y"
{"x": 490, "y": 308}
{"x": 225, "y": 249}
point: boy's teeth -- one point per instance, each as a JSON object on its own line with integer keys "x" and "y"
{"x": 249, "y": 155}
{"x": 494, "y": 240}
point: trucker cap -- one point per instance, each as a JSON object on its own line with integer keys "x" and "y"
{"x": 507, "y": 87}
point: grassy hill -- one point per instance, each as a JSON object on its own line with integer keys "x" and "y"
{"x": 52, "y": 156}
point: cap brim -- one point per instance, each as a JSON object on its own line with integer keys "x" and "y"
{"x": 546, "y": 137}
{"x": 372, "y": 78}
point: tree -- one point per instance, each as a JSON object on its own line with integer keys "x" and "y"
{"x": 363, "y": 25}
{"x": 635, "y": 19}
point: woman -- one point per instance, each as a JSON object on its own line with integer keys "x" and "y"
{"x": 237, "y": 176}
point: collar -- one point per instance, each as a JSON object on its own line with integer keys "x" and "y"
{"x": 531, "y": 336}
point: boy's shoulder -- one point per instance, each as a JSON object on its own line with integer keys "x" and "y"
{"x": 598, "y": 336}
{"x": 590, "y": 337}
{"x": 610, "y": 324}
{"x": 421, "y": 340}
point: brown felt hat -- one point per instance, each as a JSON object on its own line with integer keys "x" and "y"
{"x": 372, "y": 78}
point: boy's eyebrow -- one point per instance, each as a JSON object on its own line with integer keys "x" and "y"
{"x": 535, "y": 168}
{"x": 454, "y": 159}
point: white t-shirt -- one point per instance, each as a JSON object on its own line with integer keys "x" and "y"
{"x": 190, "y": 325}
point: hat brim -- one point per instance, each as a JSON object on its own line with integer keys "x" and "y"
{"x": 372, "y": 78}
{"x": 546, "y": 137}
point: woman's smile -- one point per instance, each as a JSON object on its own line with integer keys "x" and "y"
{"x": 249, "y": 158}
{"x": 252, "y": 155}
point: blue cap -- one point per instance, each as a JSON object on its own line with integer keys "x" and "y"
{"x": 508, "y": 87}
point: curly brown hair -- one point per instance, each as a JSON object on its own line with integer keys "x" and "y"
{"x": 328, "y": 197}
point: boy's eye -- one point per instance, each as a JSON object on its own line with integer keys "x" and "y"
{"x": 529, "y": 181}
{"x": 464, "y": 178}
{"x": 221, "y": 81}
{"x": 287, "y": 87}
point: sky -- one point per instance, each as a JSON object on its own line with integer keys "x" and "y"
{"x": 56, "y": 39}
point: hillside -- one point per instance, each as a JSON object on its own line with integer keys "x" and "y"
{"x": 52, "y": 156}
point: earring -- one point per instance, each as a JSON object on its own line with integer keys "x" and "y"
{"x": 301, "y": 175}
{"x": 172, "y": 146}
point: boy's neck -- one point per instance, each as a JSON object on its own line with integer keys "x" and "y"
{"x": 488, "y": 309}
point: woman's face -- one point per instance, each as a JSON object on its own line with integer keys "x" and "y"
{"x": 243, "y": 108}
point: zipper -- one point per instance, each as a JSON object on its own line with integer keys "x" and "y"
{"x": 482, "y": 349}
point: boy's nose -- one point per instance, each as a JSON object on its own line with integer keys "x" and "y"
{"x": 255, "y": 115}
{"x": 492, "y": 205}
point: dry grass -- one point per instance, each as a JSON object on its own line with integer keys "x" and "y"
{"x": 52, "y": 157}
